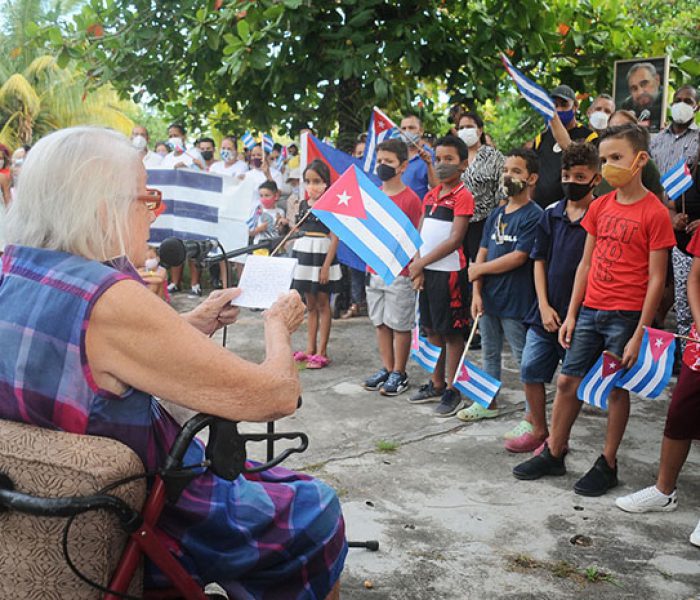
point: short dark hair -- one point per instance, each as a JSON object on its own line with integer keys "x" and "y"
{"x": 636, "y": 135}
{"x": 321, "y": 169}
{"x": 269, "y": 185}
{"x": 292, "y": 146}
{"x": 582, "y": 154}
{"x": 531, "y": 163}
{"x": 413, "y": 116}
{"x": 206, "y": 139}
{"x": 479, "y": 123}
{"x": 395, "y": 146}
{"x": 452, "y": 141}
{"x": 179, "y": 126}
{"x": 277, "y": 146}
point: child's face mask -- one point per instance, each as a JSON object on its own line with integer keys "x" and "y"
{"x": 268, "y": 201}
{"x": 618, "y": 176}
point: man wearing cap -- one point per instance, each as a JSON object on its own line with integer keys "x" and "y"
{"x": 548, "y": 189}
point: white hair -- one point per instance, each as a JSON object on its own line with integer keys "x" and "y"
{"x": 75, "y": 192}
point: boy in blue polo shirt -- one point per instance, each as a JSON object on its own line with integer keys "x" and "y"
{"x": 557, "y": 252}
{"x": 502, "y": 273}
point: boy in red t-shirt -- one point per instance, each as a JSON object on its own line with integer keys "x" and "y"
{"x": 683, "y": 419}
{"x": 392, "y": 308}
{"x": 618, "y": 287}
{"x": 439, "y": 271}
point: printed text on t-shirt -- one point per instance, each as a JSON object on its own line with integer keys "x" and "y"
{"x": 614, "y": 233}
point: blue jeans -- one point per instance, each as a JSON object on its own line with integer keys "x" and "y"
{"x": 595, "y": 331}
{"x": 357, "y": 286}
{"x": 541, "y": 357}
{"x": 493, "y": 330}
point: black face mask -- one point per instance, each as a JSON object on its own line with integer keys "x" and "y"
{"x": 385, "y": 172}
{"x": 207, "y": 154}
{"x": 577, "y": 191}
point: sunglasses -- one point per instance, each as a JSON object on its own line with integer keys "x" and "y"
{"x": 152, "y": 198}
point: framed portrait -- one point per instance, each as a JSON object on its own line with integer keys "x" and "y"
{"x": 641, "y": 85}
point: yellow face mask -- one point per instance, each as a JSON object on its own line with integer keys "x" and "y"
{"x": 619, "y": 177}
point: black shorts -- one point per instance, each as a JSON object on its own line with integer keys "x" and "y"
{"x": 443, "y": 302}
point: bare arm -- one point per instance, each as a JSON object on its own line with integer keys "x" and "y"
{"x": 551, "y": 320}
{"x": 453, "y": 241}
{"x": 503, "y": 264}
{"x": 658, "y": 262}
{"x": 324, "y": 275}
{"x": 173, "y": 360}
{"x": 560, "y": 133}
{"x": 477, "y": 307}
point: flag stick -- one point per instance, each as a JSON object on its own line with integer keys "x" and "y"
{"x": 466, "y": 347}
{"x": 683, "y": 203}
{"x": 291, "y": 231}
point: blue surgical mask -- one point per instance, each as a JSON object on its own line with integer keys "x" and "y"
{"x": 566, "y": 116}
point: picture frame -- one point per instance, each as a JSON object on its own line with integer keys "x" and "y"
{"x": 641, "y": 86}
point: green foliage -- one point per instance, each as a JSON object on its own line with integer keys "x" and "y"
{"x": 298, "y": 62}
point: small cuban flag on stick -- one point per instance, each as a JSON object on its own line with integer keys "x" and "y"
{"x": 423, "y": 352}
{"x": 267, "y": 143}
{"x": 652, "y": 371}
{"x": 369, "y": 222}
{"x": 677, "y": 179}
{"x": 248, "y": 140}
{"x": 537, "y": 97}
{"x": 381, "y": 128}
{"x": 600, "y": 380}
{"x": 474, "y": 383}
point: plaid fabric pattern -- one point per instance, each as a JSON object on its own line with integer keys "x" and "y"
{"x": 278, "y": 534}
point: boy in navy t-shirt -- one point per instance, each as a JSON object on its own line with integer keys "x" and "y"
{"x": 557, "y": 252}
{"x": 502, "y": 273}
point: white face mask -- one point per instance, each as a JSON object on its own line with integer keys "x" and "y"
{"x": 151, "y": 264}
{"x": 139, "y": 142}
{"x": 469, "y": 135}
{"x": 599, "y": 119}
{"x": 176, "y": 144}
{"x": 682, "y": 113}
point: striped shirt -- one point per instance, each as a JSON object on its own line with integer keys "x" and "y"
{"x": 667, "y": 148}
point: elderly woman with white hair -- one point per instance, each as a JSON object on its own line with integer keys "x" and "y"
{"x": 76, "y": 357}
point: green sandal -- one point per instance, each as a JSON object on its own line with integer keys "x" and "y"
{"x": 476, "y": 412}
{"x": 520, "y": 429}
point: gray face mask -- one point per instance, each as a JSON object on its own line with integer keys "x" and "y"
{"x": 411, "y": 137}
{"x": 446, "y": 171}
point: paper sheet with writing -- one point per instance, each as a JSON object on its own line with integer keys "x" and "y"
{"x": 264, "y": 279}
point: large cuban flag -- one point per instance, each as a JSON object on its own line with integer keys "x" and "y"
{"x": 369, "y": 222}
{"x": 600, "y": 380}
{"x": 677, "y": 179}
{"x": 653, "y": 369}
{"x": 201, "y": 206}
{"x": 537, "y": 96}
{"x": 475, "y": 384}
{"x": 381, "y": 128}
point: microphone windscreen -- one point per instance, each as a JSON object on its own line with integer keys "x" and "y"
{"x": 172, "y": 252}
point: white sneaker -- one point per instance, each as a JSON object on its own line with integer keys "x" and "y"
{"x": 648, "y": 500}
{"x": 695, "y": 536}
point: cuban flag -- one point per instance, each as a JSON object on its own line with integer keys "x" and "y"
{"x": 537, "y": 97}
{"x": 338, "y": 162}
{"x": 248, "y": 140}
{"x": 653, "y": 369}
{"x": 677, "y": 180}
{"x": 369, "y": 222}
{"x": 381, "y": 128}
{"x": 423, "y": 352}
{"x": 267, "y": 142}
{"x": 476, "y": 384}
{"x": 201, "y": 206}
{"x": 600, "y": 380}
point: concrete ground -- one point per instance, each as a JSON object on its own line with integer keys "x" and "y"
{"x": 439, "y": 496}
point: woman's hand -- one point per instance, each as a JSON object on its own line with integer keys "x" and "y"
{"x": 680, "y": 221}
{"x": 324, "y": 275}
{"x": 215, "y": 311}
{"x": 289, "y": 309}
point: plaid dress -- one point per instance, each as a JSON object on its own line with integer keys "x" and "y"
{"x": 278, "y": 534}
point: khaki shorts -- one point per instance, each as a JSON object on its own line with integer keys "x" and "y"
{"x": 391, "y": 305}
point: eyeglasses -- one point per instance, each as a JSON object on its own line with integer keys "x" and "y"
{"x": 152, "y": 198}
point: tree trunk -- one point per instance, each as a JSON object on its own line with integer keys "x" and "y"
{"x": 349, "y": 105}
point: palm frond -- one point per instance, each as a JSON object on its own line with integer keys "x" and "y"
{"x": 17, "y": 90}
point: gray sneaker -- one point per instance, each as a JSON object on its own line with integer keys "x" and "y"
{"x": 450, "y": 403}
{"x": 426, "y": 393}
{"x": 395, "y": 385}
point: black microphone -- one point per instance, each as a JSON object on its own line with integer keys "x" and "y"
{"x": 174, "y": 251}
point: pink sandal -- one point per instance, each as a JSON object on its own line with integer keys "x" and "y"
{"x": 300, "y": 356}
{"x": 317, "y": 361}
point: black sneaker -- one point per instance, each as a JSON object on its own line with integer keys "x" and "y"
{"x": 541, "y": 465}
{"x": 598, "y": 480}
{"x": 396, "y": 384}
{"x": 426, "y": 393}
{"x": 374, "y": 382}
{"x": 450, "y": 403}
